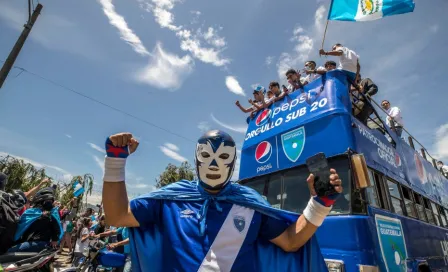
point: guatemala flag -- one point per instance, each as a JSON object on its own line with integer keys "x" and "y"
{"x": 77, "y": 189}
{"x": 367, "y": 10}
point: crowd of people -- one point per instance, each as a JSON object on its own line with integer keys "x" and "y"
{"x": 35, "y": 220}
{"x": 361, "y": 90}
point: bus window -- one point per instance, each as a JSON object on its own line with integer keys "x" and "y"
{"x": 382, "y": 190}
{"x": 436, "y": 213}
{"x": 297, "y": 193}
{"x": 372, "y": 193}
{"x": 429, "y": 214}
{"x": 442, "y": 216}
{"x": 420, "y": 208}
{"x": 258, "y": 184}
{"x": 296, "y": 190}
{"x": 274, "y": 193}
{"x": 408, "y": 202}
{"x": 395, "y": 197}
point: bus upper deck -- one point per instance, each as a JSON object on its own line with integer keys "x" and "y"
{"x": 408, "y": 197}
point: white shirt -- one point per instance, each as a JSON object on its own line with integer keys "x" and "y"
{"x": 348, "y": 60}
{"x": 79, "y": 247}
{"x": 260, "y": 104}
{"x": 313, "y": 76}
{"x": 445, "y": 169}
{"x": 396, "y": 114}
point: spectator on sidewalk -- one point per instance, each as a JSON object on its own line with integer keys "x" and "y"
{"x": 394, "y": 119}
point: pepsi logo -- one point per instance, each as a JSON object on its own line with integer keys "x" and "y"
{"x": 263, "y": 152}
{"x": 263, "y": 117}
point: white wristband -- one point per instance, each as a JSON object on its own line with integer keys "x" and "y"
{"x": 114, "y": 169}
{"x": 315, "y": 212}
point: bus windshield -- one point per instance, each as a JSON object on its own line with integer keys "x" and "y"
{"x": 288, "y": 189}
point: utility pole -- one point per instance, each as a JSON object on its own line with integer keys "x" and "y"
{"x": 9, "y": 63}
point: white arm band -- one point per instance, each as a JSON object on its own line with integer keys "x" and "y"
{"x": 315, "y": 212}
{"x": 114, "y": 169}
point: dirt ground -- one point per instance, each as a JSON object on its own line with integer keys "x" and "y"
{"x": 62, "y": 261}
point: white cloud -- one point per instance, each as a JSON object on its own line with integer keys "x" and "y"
{"x": 190, "y": 43}
{"x": 164, "y": 18}
{"x": 97, "y": 148}
{"x": 68, "y": 136}
{"x": 213, "y": 38}
{"x": 172, "y": 146}
{"x": 240, "y": 129}
{"x": 441, "y": 143}
{"x": 304, "y": 44}
{"x": 269, "y": 60}
{"x": 234, "y": 86}
{"x": 99, "y": 162}
{"x": 434, "y": 28}
{"x": 37, "y": 164}
{"x": 204, "y": 126}
{"x": 172, "y": 153}
{"x": 165, "y": 70}
{"x": 126, "y": 33}
{"x": 210, "y": 55}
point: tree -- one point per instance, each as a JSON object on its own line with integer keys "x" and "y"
{"x": 24, "y": 176}
{"x": 21, "y": 175}
{"x": 175, "y": 173}
{"x": 86, "y": 181}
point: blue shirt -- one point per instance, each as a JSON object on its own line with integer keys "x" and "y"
{"x": 228, "y": 242}
{"x": 125, "y": 235}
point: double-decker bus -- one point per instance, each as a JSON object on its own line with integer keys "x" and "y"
{"x": 396, "y": 222}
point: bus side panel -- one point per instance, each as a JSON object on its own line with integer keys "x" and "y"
{"x": 399, "y": 238}
{"x": 347, "y": 238}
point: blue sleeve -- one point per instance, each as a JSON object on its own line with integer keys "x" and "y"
{"x": 271, "y": 228}
{"x": 146, "y": 211}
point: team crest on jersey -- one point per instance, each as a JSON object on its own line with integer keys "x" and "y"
{"x": 369, "y": 7}
{"x": 239, "y": 222}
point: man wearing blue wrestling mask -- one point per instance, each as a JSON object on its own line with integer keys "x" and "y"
{"x": 211, "y": 224}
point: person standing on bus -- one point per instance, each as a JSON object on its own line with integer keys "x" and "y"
{"x": 348, "y": 60}
{"x": 393, "y": 115}
{"x": 442, "y": 168}
{"x": 212, "y": 224}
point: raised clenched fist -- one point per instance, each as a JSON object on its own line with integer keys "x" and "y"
{"x": 121, "y": 145}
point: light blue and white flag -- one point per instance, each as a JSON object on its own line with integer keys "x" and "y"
{"x": 368, "y": 10}
{"x": 77, "y": 189}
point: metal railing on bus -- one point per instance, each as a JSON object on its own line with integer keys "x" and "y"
{"x": 380, "y": 124}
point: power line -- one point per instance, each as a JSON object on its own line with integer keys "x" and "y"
{"x": 102, "y": 103}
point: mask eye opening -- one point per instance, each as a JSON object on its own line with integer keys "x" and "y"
{"x": 205, "y": 154}
{"x": 224, "y": 156}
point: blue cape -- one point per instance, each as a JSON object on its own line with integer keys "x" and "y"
{"x": 269, "y": 256}
{"x": 31, "y": 215}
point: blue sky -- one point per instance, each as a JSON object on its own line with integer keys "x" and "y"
{"x": 181, "y": 65}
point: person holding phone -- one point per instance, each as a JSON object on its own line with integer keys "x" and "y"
{"x": 212, "y": 224}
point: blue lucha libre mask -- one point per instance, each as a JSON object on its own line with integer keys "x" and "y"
{"x": 215, "y": 159}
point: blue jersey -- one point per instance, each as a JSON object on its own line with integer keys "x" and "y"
{"x": 125, "y": 235}
{"x": 228, "y": 242}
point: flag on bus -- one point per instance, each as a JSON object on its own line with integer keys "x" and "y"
{"x": 78, "y": 189}
{"x": 368, "y": 10}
